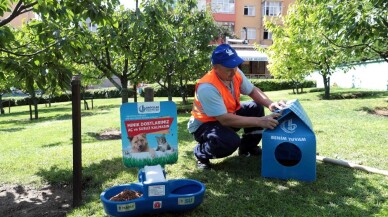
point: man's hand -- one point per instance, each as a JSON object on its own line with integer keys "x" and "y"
{"x": 269, "y": 121}
{"x": 277, "y": 105}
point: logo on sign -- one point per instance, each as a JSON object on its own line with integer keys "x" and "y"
{"x": 288, "y": 126}
{"x": 157, "y": 204}
{"x": 148, "y": 108}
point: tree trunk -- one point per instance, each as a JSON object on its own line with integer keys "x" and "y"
{"x": 169, "y": 87}
{"x": 326, "y": 84}
{"x": 124, "y": 89}
{"x": 124, "y": 95}
{"x": 86, "y": 105}
{"x": 35, "y": 100}
{"x": 135, "y": 92}
{"x": 182, "y": 91}
{"x": 29, "y": 104}
{"x": 1, "y": 104}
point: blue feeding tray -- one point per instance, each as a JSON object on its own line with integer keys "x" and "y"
{"x": 169, "y": 196}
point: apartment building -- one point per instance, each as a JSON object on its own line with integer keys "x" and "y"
{"x": 245, "y": 18}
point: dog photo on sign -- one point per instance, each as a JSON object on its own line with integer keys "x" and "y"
{"x": 139, "y": 144}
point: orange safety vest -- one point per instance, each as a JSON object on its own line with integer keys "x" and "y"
{"x": 231, "y": 102}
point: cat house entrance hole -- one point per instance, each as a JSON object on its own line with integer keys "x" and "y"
{"x": 288, "y": 154}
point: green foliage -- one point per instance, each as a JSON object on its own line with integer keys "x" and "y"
{"x": 263, "y": 84}
{"x": 66, "y": 97}
{"x": 175, "y": 90}
{"x": 300, "y": 47}
{"x": 104, "y": 93}
{"x": 360, "y": 27}
{"x": 356, "y": 94}
{"x": 186, "y": 53}
{"x": 45, "y": 34}
{"x": 281, "y": 84}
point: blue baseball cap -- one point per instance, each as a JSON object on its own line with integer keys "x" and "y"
{"x": 225, "y": 55}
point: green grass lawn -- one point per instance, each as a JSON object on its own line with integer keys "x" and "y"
{"x": 39, "y": 152}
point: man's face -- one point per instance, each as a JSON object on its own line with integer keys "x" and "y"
{"x": 225, "y": 74}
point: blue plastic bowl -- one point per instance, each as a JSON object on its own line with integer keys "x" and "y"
{"x": 180, "y": 195}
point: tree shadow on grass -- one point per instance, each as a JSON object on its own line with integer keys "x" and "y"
{"x": 104, "y": 107}
{"x": 52, "y": 145}
{"x": 92, "y": 175}
{"x": 235, "y": 187}
{"x": 11, "y": 130}
{"x": 26, "y": 121}
{"x": 57, "y": 199}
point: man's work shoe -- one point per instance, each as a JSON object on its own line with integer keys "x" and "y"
{"x": 256, "y": 151}
{"x": 203, "y": 164}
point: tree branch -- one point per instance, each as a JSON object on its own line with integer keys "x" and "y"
{"x": 27, "y": 55}
{"x": 19, "y": 9}
{"x": 343, "y": 46}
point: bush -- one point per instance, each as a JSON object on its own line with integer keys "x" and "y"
{"x": 160, "y": 92}
{"x": 263, "y": 84}
{"x": 104, "y": 93}
{"x": 281, "y": 84}
{"x": 65, "y": 97}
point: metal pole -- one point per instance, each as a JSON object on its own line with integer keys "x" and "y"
{"x": 352, "y": 165}
{"x": 77, "y": 155}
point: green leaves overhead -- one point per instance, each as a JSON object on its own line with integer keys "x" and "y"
{"x": 163, "y": 40}
{"x": 359, "y": 26}
{"x": 300, "y": 46}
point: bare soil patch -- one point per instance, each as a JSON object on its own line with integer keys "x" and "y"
{"x": 17, "y": 200}
{"x": 110, "y": 134}
{"x": 381, "y": 111}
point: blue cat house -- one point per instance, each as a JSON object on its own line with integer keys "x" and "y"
{"x": 289, "y": 150}
{"x": 150, "y": 141}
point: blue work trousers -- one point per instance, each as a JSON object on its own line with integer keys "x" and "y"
{"x": 217, "y": 141}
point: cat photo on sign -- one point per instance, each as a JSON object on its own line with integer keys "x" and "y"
{"x": 162, "y": 144}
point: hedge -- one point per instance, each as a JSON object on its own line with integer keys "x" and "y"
{"x": 263, "y": 84}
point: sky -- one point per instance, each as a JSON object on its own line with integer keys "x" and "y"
{"x": 129, "y": 3}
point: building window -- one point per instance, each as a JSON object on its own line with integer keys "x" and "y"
{"x": 249, "y": 10}
{"x": 267, "y": 34}
{"x": 223, "y": 6}
{"x": 229, "y": 26}
{"x": 251, "y": 34}
{"x": 272, "y": 8}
